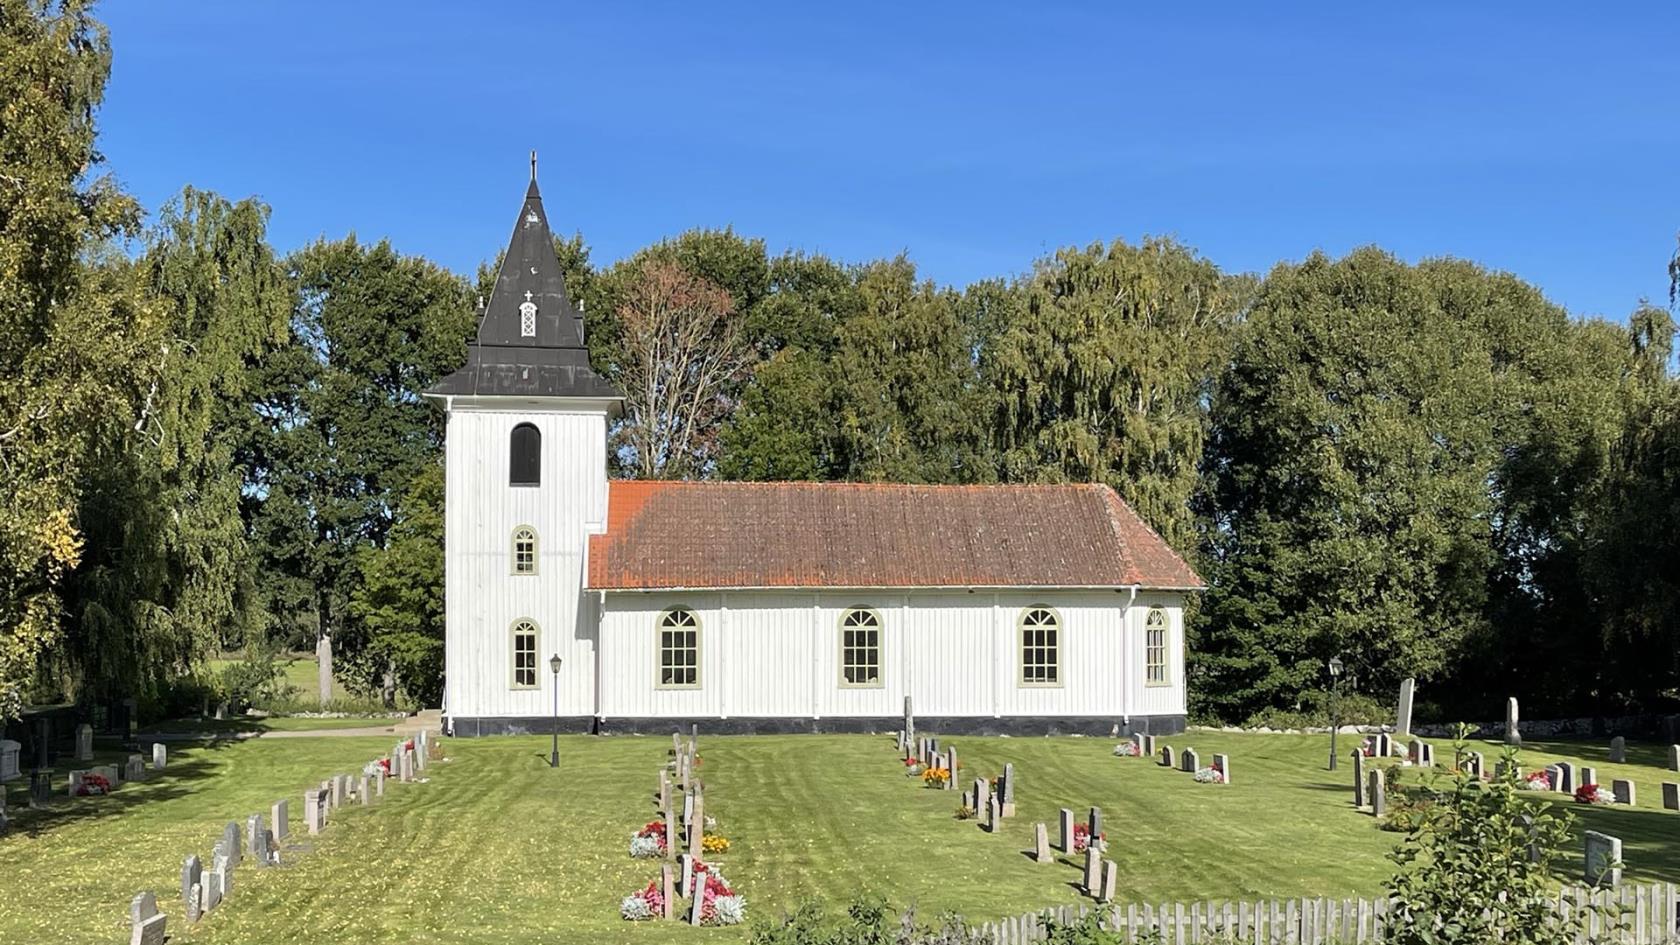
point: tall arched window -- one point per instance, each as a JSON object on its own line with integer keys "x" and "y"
{"x": 860, "y": 648}
{"x": 1155, "y": 648}
{"x": 1041, "y": 647}
{"x": 679, "y": 649}
{"x": 525, "y": 456}
{"x": 524, "y": 654}
{"x": 524, "y": 550}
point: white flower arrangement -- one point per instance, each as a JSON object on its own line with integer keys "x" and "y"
{"x": 1125, "y": 750}
{"x": 645, "y": 848}
{"x": 1538, "y": 781}
{"x": 1601, "y": 796}
{"x": 731, "y": 910}
{"x": 1210, "y": 776}
{"x": 635, "y": 908}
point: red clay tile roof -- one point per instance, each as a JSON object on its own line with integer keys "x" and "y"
{"x": 818, "y": 534}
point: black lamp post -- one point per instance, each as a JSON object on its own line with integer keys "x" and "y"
{"x": 1335, "y": 705}
{"x": 554, "y": 753}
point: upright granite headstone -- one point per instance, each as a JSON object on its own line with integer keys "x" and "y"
{"x": 232, "y": 844}
{"x": 160, "y": 756}
{"x": 1604, "y": 859}
{"x": 191, "y": 872}
{"x": 84, "y": 742}
{"x": 1374, "y": 791}
{"x": 1093, "y": 823}
{"x": 253, "y": 833}
{"x": 1189, "y": 761}
{"x": 379, "y": 781}
{"x": 667, "y": 891}
{"x": 9, "y": 752}
{"x": 1624, "y": 791}
{"x": 1566, "y": 778}
{"x": 313, "y": 810}
{"x": 1513, "y": 733}
{"x": 685, "y": 863}
{"x": 1110, "y": 879}
{"x": 1671, "y": 795}
{"x": 135, "y": 769}
{"x": 277, "y": 817}
{"x": 1041, "y": 843}
{"x": 1223, "y": 764}
{"x": 40, "y": 787}
{"x": 1093, "y": 870}
{"x": 1477, "y": 764}
{"x": 1065, "y": 822}
{"x": 1167, "y": 757}
{"x": 1674, "y": 757}
{"x": 1589, "y": 775}
{"x": 210, "y": 890}
{"x": 1403, "y": 715}
{"x": 1618, "y": 750}
{"x": 1148, "y": 745}
{"x": 695, "y": 905}
{"x": 145, "y": 921}
{"x": 259, "y": 837}
{"x": 364, "y": 791}
{"x": 697, "y": 829}
{"x": 1137, "y": 746}
{"x": 1006, "y": 791}
{"x": 406, "y": 766}
{"x": 994, "y": 814}
{"x": 1358, "y": 778}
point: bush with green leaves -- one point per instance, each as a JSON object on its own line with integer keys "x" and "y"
{"x": 1476, "y": 865}
{"x": 868, "y": 921}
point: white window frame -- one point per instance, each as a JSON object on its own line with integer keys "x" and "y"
{"x": 524, "y": 626}
{"x": 847, "y": 625}
{"x": 514, "y": 560}
{"x": 1157, "y": 622}
{"x": 670, "y": 619}
{"x": 1022, "y": 626}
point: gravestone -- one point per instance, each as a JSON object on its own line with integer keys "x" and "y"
{"x": 1065, "y": 822}
{"x": 671, "y": 840}
{"x": 195, "y": 903}
{"x": 1477, "y": 763}
{"x": 40, "y": 786}
{"x": 1674, "y": 757}
{"x": 379, "y": 781}
{"x": 1604, "y": 859}
{"x": 364, "y": 791}
{"x": 406, "y": 766}
{"x": 145, "y": 921}
{"x": 1148, "y": 745}
{"x": 1166, "y": 756}
{"x": 313, "y": 810}
{"x": 233, "y": 846}
{"x": 1513, "y": 733}
{"x": 277, "y": 817}
{"x": 1093, "y": 823}
{"x": 667, "y": 891}
{"x": 1358, "y": 778}
{"x": 697, "y": 829}
{"x": 1093, "y": 869}
{"x": 1403, "y": 715}
{"x": 9, "y": 751}
{"x": 192, "y": 871}
{"x": 685, "y": 863}
{"x": 84, "y": 742}
{"x": 951, "y": 766}
{"x": 1671, "y": 795}
{"x": 1384, "y": 746}
{"x": 259, "y": 838}
{"x": 994, "y": 814}
{"x": 1006, "y": 791}
{"x": 688, "y": 808}
{"x": 73, "y": 787}
{"x": 1589, "y": 775}
{"x": 1110, "y": 878}
{"x": 1618, "y": 750}
{"x": 43, "y": 742}
{"x": 1041, "y": 843}
{"x": 664, "y": 789}
{"x": 135, "y": 768}
{"x": 1189, "y": 761}
{"x": 1624, "y": 791}
{"x": 1137, "y": 746}
{"x": 160, "y": 756}
{"x": 695, "y": 905}
{"x": 1554, "y": 774}
{"x": 1223, "y": 763}
{"x": 1374, "y": 791}
{"x": 210, "y": 891}
{"x": 1566, "y": 778}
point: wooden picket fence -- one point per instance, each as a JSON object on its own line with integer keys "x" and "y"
{"x": 1650, "y": 916}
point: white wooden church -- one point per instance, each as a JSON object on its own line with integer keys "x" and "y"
{"x": 605, "y": 606}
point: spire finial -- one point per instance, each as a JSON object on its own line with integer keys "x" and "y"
{"x": 533, "y": 165}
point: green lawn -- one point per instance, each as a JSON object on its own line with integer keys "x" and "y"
{"x": 499, "y": 848}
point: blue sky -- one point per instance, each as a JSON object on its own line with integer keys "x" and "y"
{"x": 1538, "y": 138}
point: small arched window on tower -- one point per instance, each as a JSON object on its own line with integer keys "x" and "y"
{"x": 525, "y": 456}
{"x": 524, "y": 550}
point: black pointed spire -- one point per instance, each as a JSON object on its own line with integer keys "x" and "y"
{"x": 530, "y": 335}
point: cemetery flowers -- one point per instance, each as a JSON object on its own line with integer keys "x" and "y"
{"x": 1126, "y": 750}
{"x": 1210, "y": 776}
{"x": 643, "y": 904}
{"x": 1082, "y": 838}
{"x": 1537, "y": 781}
{"x": 713, "y": 843}
{"x": 1593, "y": 794}
{"x": 649, "y": 842}
{"x": 94, "y": 784}
{"x": 935, "y": 777}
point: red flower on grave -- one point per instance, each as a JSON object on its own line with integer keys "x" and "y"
{"x": 386, "y": 764}
{"x": 408, "y": 745}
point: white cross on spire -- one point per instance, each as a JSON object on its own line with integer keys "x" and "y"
{"x": 527, "y": 295}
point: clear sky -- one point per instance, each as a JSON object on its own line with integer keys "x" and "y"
{"x": 1539, "y": 138}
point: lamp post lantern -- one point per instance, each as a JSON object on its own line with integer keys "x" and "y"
{"x": 554, "y": 752}
{"x": 1335, "y": 705}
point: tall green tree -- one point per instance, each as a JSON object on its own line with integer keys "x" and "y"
{"x": 398, "y": 600}
{"x": 67, "y": 336}
{"x": 345, "y": 432}
{"x": 1100, "y": 371}
{"x": 166, "y": 577}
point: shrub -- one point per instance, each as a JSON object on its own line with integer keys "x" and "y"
{"x": 867, "y": 921}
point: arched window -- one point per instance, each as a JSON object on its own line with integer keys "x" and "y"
{"x": 524, "y": 550}
{"x": 1155, "y": 648}
{"x": 679, "y": 649}
{"x": 525, "y": 456}
{"x": 1041, "y": 647}
{"x": 524, "y": 654}
{"x": 860, "y": 648}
